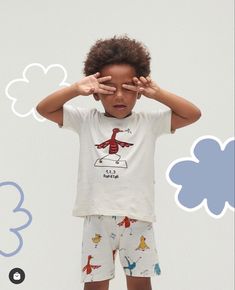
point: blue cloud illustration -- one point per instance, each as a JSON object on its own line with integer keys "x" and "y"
{"x": 207, "y": 178}
{"x": 13, "y": 217}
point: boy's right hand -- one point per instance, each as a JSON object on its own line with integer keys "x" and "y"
{"x": 93, "y": 84}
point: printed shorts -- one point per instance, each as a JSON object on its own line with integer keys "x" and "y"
{"x": 104, "y": 235}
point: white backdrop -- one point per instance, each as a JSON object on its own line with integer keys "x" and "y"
{"x": 191, "y": 44}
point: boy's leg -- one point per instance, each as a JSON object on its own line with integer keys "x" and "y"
{"x": 99, "y": 285}
{"x": 97, "y": 259}
{"x": 138, "y": 255}
{"x": 138, "y": 283}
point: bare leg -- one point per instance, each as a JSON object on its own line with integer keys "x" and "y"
{"x": 138, "y": 283}
{"x": 98, "y": 285}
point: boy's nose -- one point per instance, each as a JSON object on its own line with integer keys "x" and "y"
{"x": 119, "y": 92}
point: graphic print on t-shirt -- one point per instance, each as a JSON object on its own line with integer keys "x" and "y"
{"x": 113, "y": 159}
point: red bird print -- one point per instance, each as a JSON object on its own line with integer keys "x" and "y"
{"x": 127, "y": 222}
{"x": 113, "y": 143}
{"x": 88, "y": 268}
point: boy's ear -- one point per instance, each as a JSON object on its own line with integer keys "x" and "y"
{"x": 96, "y": 97}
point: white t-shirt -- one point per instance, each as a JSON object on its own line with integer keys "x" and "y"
{"x": 116, "y": 161}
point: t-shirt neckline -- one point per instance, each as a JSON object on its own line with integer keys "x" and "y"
{"x": 113, "y": 118}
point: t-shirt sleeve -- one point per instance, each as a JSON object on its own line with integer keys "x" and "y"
{"x": 73, "y": 117}
{"x": 161, "y": 122}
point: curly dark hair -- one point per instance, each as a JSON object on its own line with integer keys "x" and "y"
{"x": 117, "y": 50}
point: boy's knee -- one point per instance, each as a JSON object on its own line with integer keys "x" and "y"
{"x": 97, "y": 285}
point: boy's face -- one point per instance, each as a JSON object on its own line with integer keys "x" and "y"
{"x": 121, "y": 102}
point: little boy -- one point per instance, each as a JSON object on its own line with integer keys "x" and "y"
{"x": 115, "y": 190}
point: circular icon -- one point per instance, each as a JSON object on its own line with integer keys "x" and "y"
{"x": 16, "y": 275}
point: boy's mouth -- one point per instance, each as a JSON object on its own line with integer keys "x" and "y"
{"x": 119, "y": 106}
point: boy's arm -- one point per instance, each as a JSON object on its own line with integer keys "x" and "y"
{"x": 183, "y": 111}
{"x": 52, "y": 106}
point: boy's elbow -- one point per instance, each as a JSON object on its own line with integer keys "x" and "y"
{"x": 39, "y": 109}
{"x": 196, "y": 115}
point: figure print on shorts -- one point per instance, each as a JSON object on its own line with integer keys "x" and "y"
{"x": 113, "y": 159}
{"x": 100, "y": 217}
{"x": 131, "y": 265}
{"x": 145, "y": 272}
{"x": 96, "y": 239}
{"x": 142, "y": 245}
{"x": 149, "y": 227}
{"x": 88, "y": 218}
{"x": 157, "y": 269}
{"x": 88, "y": 268}
{"x": 113, "y": 236}
{"x": 126, "y": 222}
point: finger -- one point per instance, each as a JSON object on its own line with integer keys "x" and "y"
{"x": 136, "y": 81}
{"x": 148, "y": 79}
{"x": 104, "y": 79}
{"x": 105, "y": 92}
{"x": 143, "y": 80}
{"x": 133, "y": 88}
{"x": 96, "y": 74}
{"x": 105, "y": 87}
{"x": 130, "y": 87}
{"x": 92, "y": 90}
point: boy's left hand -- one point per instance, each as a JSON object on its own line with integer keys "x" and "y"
{"x": 145, "y": 86}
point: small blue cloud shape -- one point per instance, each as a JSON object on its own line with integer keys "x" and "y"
{"x": 206, "y": 179}
{"x": 12, "y": 212}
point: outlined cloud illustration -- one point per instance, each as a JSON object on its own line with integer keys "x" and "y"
{"x": 37, "y": 82}
{"x": 13, "y": 218}
{"x": 207, "y": 178}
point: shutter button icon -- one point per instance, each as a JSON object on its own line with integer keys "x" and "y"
{"x": 16, "y": 275}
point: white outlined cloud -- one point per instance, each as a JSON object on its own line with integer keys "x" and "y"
{"x": 207, "y": 178}
{"x": 37, "y": 82}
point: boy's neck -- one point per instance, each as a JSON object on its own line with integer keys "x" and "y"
{"x": 108, "y": 115}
